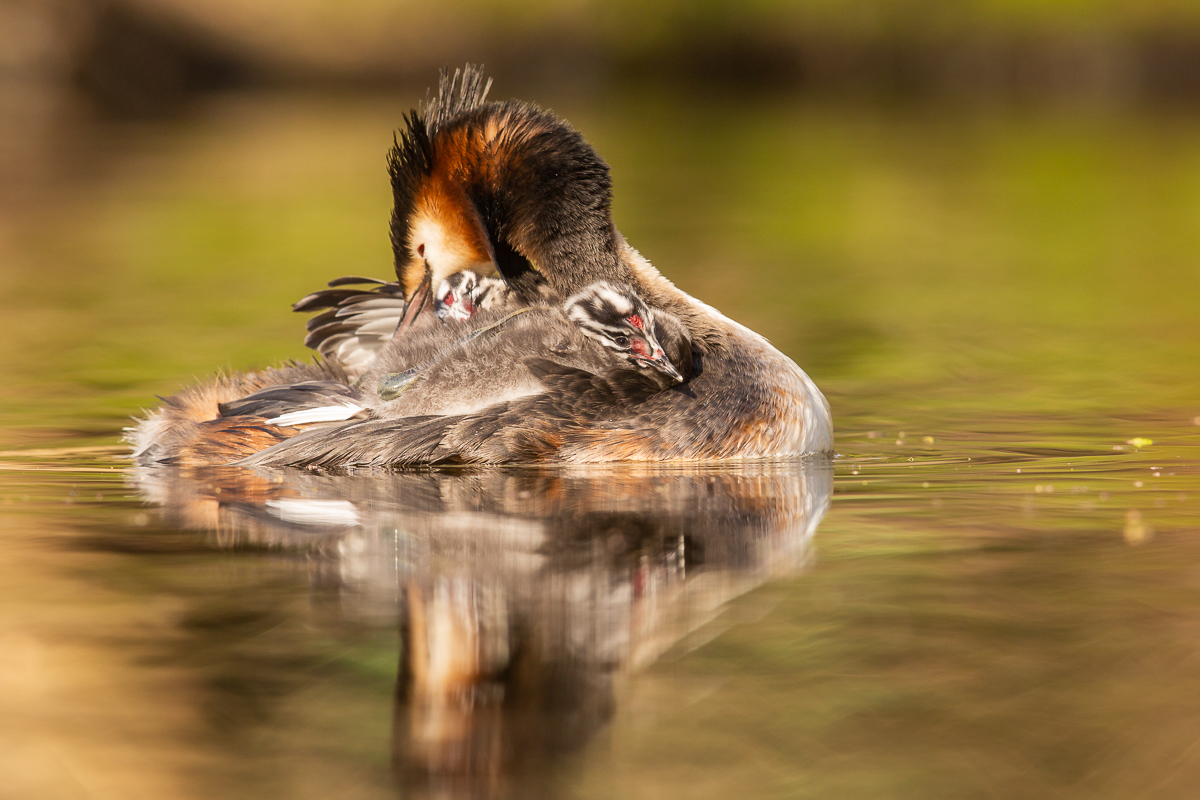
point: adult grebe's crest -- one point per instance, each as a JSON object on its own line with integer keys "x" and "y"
{"x": 433, "y": 224}
{"x": 499, "y": 187}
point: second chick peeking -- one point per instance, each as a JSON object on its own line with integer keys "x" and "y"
{"x": 463, "y": 294}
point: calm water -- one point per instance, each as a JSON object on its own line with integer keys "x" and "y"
{"x": 993, "y": 590}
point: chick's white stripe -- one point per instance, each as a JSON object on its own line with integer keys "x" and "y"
{"x": 306, "y": 416}
{"x": 618, "y": 301}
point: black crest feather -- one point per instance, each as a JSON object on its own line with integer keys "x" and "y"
{"x": 411, "y": 158}
{"x": 472, "y": 91}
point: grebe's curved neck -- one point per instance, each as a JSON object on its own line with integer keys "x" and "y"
{"x": 505, "y": 187}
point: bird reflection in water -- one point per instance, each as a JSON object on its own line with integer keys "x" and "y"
{"x": 520, "y": 593}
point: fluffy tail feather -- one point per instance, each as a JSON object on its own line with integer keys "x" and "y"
{"x": 189, "y": 428}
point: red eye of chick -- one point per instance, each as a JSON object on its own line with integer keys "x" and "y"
{"x": 449, "y": 299}
{"x": 635, "y": 321}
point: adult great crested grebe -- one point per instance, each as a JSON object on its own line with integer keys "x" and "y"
{"x": 511, "y": 189}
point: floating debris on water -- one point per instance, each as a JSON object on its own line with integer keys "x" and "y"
{"x": 1140, "y": 442}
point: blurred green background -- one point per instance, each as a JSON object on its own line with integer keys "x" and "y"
{"x": 936, "y": 208}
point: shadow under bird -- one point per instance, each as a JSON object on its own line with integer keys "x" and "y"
{"x": 508, "y": 190}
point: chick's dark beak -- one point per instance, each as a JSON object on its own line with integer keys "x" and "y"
{"x": 659, "y": 361}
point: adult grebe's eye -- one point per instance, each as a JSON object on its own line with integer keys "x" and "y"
{"x": 621, "y": 341}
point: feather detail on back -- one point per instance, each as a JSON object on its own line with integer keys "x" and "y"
{"x": 308, "y": 416}
{"x": 189, "y": 429}
{"x": 354, "y": 324}
{"x": 301, "y": 403}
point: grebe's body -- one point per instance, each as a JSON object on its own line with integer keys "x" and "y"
{"x": 506, "y": 188}
{"x": 503, "y": 355}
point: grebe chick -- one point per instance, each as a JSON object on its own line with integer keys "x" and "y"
{"x": 355, "y": 323}
{"x": 602, "y": 330}
{"x": 463, "y": 294}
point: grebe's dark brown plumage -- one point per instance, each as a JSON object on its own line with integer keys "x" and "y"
{"x": 510, "y": 188}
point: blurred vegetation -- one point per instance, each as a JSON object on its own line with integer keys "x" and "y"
{"x": 918, "y": 262}
{"x": 140, "y": 57}
{"x": 359, "y": 33}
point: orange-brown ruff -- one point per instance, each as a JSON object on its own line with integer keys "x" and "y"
{"x": 509, "y": 188}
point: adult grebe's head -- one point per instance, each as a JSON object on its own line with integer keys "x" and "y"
{"x": 502, "y": 187}
{"x": 618, "y": 319}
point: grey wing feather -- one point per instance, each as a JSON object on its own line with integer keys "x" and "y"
{"x": 524, "y": 430}
{"x": 354, "y": 324}
{"x": 275, "y": 401}
{"x": 372, "y": 442}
